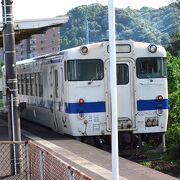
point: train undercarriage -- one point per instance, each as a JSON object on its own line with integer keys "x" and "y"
{"x": 130, "y": 145}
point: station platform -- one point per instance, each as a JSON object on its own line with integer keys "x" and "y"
{"x": 90, "y": 160}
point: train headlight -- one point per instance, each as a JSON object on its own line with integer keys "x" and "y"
{"x": 83, "y": 50}
{"x": 152, "y": 48}
{"x": 159, "y": 98}
{"x": 129, "y": 124}
{"x": 154, "y": 122}
{"x": 148, "y": 122}
{"x": 81, "y": 101}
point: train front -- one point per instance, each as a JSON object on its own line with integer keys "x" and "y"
{"x": 85, "y": 100}
{"x": 151, "y": 90}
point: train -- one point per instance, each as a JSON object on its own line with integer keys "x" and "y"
{"x": 69, "y": 91}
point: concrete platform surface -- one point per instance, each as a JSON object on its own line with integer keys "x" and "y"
{"x": 90, "y": 160}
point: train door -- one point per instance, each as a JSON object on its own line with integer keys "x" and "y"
{"x": 125, "y": 97}
{"x": 58, "y": 92}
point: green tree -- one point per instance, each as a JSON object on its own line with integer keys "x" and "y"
{"x": 173, "y": 133}
{"x": 174, "y": 46}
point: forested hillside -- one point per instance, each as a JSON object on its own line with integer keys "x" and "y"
{"x": 146, "y": 24}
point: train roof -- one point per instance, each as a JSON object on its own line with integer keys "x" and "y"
{"x": 138, "y": 46}
{"x": 38, "y": 58}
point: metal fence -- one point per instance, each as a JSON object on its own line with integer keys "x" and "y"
{"x": 29, "y": 161}
{"x": 13, "y": 160}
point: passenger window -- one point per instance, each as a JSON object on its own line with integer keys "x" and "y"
{"x": 61, "y": 80}
{"x": 19, "y": 83}
{"x": 56, "y": 82}
{"x": 32, "y": 84}
{"x": 22, "y": 84}
{"x": 28, "y": 84}
{"x": 36, "y": 84}
{"x": 122, "y": 74}
{"x": 65, "y": 70}
{"x": 40, "y": 84}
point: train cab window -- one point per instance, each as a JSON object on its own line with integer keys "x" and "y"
{"x": 122, "y": 74}
{"x": 152, "y": 67}
{"x": 85, "y": 70}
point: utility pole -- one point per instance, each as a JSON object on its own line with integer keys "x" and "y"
{"x": 113, "y": 83}
{"x": 87, "y": 31}
{"x": 11, "y": 82}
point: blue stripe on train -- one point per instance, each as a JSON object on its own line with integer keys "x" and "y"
{"x": 88, "y": 107}
{"x": 145, "y": 105}
{"x": 93, "y": 107}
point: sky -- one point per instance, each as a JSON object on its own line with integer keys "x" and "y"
{"x": 32, "y": 9}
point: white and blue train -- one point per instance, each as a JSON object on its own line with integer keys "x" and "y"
{"x": 70, "y": 91}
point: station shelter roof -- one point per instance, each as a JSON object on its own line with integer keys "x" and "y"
{"x": 26, "y": 28}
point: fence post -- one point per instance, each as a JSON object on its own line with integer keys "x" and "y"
{"x": 28, "y": 161}
{"x": 41, "y": 165}
{"x": 70, "y": 174}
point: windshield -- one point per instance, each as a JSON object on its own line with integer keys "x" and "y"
{"x": 151, "y": 67}
{"x": 85, "y": 70}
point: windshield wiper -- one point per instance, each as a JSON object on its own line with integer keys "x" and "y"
{"x": 98, "y": 76}
{"x": 91, "y": 81}
{"x": 148, "y": 76}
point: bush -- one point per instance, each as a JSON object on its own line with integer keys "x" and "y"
{"x": 173, "y": 132}
{"x": 172, "y": 154}
{"x": 173, "y": 135}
